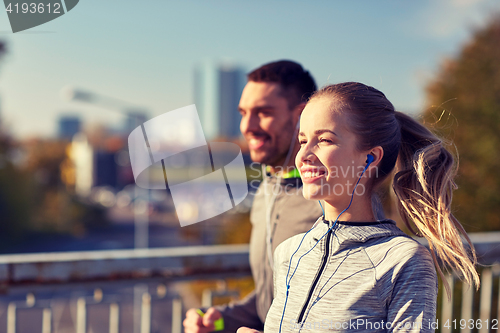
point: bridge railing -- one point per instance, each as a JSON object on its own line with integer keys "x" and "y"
{"x": 38, "y": 286}
{"x": 143, "y": 290}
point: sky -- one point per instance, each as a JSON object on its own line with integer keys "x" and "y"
{"x": 145, "y": 52}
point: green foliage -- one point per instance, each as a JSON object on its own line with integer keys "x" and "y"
{"x": 465, "y": 96}
{"x": 15, "y": 211}
{"x": 33, "y": 198}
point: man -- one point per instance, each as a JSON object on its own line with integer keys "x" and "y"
{"x": 270, "y": 106}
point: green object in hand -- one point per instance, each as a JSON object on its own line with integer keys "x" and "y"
{"x": 218, "y": 324}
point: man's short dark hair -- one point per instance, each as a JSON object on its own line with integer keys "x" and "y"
{"x": 296, "y": 83}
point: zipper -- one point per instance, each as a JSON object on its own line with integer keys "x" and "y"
{"x": 318, "y": 275}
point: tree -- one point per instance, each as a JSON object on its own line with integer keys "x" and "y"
{"x": 14, "y": 190}
{"x": 466, "y": 97}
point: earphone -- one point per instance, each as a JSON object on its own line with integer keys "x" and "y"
{"x": 369, "y": 160}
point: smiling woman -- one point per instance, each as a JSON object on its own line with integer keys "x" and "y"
{"x": 363, "y": 274}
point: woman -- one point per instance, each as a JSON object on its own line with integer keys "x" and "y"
{"x": 351, "y": 272}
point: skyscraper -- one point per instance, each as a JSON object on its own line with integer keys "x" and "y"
{"x": 135, "y": 117}
{"x": 217, "y": 89}
{"x": 68, "y": 127}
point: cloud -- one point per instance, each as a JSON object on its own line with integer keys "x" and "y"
{"x": 449, "y": 18}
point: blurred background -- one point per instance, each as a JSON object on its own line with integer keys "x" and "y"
{"x": 73, "y": 89}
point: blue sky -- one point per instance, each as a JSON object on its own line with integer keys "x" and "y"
{"x": 145, "y": 52}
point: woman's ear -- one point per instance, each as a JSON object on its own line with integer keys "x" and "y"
{"x": 377, "y": 153}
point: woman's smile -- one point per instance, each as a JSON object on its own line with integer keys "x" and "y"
{"x": 311, "y": 174}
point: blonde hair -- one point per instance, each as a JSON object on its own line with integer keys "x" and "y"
{"x": 425, "y": 170}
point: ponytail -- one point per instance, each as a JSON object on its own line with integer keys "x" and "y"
{"x": 423, "y": 185}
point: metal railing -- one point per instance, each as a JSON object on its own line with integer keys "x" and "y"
{"x": 97, "y": 278}
{"x": 136, "y": 287}
{"x": 458, "y": 313}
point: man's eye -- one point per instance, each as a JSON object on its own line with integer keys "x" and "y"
{"x": 302, "y": 142}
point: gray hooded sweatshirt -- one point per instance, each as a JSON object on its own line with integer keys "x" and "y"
{"x": 359, "y": 277}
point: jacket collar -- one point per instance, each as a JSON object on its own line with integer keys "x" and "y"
{"x": 348, "y": 233}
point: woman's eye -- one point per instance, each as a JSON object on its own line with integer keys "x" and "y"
{"x": 302, "y": 142}
{"x": 325, "y": 140}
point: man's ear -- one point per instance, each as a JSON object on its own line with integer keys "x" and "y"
{"x": 297, "y": 110}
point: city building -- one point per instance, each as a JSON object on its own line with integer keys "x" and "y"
{"x": 68, "y": 126}
{"x": 81, "y": 154}
{"x": 217, "y": 90}
{"x": 135, "y": 117}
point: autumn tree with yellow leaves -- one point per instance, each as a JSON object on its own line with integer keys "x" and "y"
{"x": 464, "y": 104}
